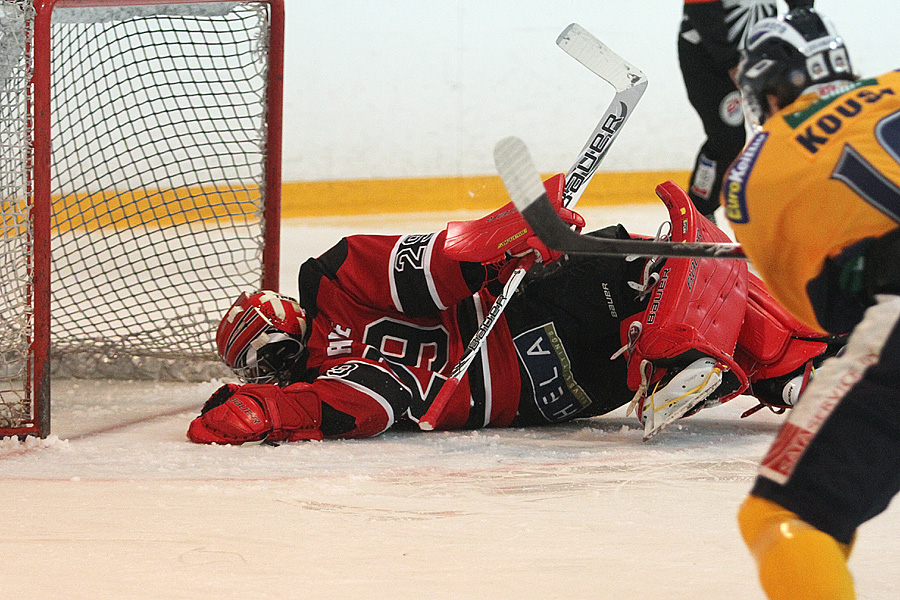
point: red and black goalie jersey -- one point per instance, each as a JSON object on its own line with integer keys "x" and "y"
{"x": 390, "y": 316}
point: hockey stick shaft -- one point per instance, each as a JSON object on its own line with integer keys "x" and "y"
{"x": 523, "y": 183}
{"x": 432, "y": 416}
{"x": 630, "y": 84}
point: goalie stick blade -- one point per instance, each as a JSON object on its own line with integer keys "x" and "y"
{"x": 630, "y": 84}
{"x": 581, "y": 45}
{"x": 523, "y": 184}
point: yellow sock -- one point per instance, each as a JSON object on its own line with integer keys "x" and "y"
{"x": 796, "y": 561}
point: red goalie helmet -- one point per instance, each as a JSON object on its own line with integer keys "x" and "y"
{"x": 261, "y": 337}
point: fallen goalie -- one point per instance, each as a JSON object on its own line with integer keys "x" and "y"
{"x": 382, "y": 320}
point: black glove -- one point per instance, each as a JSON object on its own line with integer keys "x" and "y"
{"x": 881, "y": 271}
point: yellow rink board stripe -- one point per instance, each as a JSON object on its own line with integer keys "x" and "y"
{"x": 149, "y": 208}
{"x": 163, "y": 208}
{"x": 373, "y": 196}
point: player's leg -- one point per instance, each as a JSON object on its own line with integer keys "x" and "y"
{"x": 779, "y": 353}
{"x": 834, "y": 465}
{"x": 796, "y": 561}
{"x": 714, "y": 96}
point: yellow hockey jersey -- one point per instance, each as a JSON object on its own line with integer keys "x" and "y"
{"x": 820, "y": 176}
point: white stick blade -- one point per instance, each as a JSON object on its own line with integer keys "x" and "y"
{"x": 516, "y": 167}
{"x": 581, "y": 45}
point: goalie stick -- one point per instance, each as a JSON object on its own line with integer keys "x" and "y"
{"x": 629, "y": 83}
{"x": 432, "y": 416}
{"x": 523, "y": 183}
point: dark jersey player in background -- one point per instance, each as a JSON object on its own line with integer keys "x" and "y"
{"x": 712, "y": 33}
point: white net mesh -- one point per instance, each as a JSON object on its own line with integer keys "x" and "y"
{"x": 158, "y": 142}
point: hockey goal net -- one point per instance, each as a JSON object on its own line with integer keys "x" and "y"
{"x": 140, "y": 182}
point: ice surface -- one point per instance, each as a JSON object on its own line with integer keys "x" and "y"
{"x": 118, "y": 504}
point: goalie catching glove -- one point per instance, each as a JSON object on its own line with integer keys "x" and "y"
{"x": 504, "y": 234}
{"x": 240, "y": 414}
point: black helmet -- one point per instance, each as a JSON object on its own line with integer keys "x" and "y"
{"x": 784, "y": 56}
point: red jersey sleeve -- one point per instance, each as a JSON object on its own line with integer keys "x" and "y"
{"x": 410, "y": 273}
{"x": 365, "y": 396}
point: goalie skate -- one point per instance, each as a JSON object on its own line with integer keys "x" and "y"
{"x": 684, "y": 392}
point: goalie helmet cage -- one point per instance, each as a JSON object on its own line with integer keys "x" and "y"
{"x": 140, "y": 151}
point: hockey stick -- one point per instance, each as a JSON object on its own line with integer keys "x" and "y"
{"x": 523, "y": 183}
{"x": 436, "y": 410}
{"x": 630, "y": 84}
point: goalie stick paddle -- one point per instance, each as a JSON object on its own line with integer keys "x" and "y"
{"x": 629, "y": 83}
{"x": 523, "y": 183}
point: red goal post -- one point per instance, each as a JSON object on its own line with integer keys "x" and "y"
{"x": 140, "y": 182}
